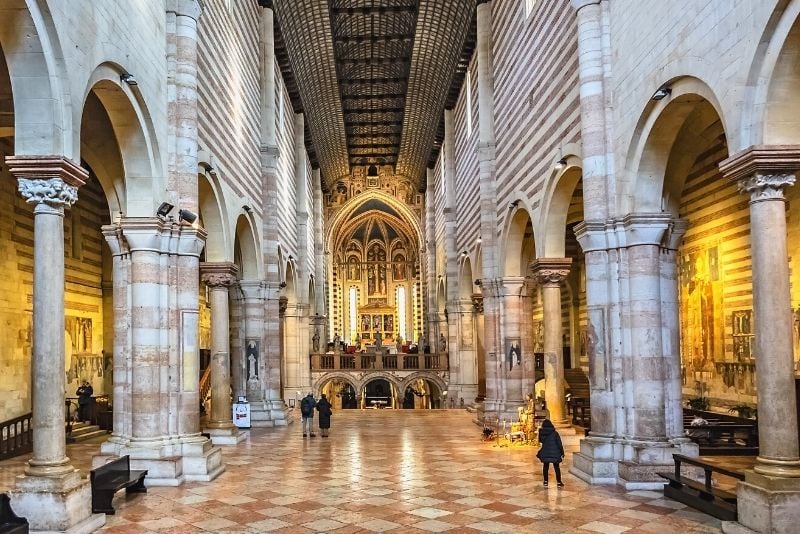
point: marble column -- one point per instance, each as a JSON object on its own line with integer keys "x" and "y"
{"x": 219, "y": 277}
{"x": 51, "y": 492}
{"x": 550, "y": 274}
{"x": 487, "y": 186}
{"x": 769, "y": 497}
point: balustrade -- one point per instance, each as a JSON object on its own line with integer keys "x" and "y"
{"x": 367, "y": 361}
{"x": 16, "y": 437}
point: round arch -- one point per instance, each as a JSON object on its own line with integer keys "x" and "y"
{"x": 519, "y": 243}
{"x": 133, "y": 131}
{"x": 466, "y": 283}
{"x": 554, "y": 213}
{"x": 656, "y": 178}
{"x": 37, "y": 72}
{"x": 247, "y": 246}
{"x": 771, "y": 114}
{"x": 322, "y": 381}
{"x": 423, "y": 375}
{"x": 212, "y": 215}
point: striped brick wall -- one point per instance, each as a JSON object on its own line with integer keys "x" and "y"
{"x": 228, "y": 93}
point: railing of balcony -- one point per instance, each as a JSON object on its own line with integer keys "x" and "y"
{"x": 375, "y": 361}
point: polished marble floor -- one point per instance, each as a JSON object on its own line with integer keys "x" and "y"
{"x": 387, "y": 471}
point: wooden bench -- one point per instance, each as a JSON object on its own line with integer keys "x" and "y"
{"x": 112, "y": 477}
{"x": 9, "y": 522}
{"x": 702, "y": 496}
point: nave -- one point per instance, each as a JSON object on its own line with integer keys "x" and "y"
{"x": 386, "y": 471}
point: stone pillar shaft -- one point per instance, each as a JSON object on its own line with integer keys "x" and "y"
{"x": 551, "y": 273}
{"x": 219, "y": 277}
{"x": 49, "y": 196}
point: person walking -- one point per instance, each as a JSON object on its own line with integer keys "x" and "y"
{"x": 325, "y": 412}
{"x": 84, "y": 393}
{"x": 551, "y": 451}
{"x": 307, "y": 412}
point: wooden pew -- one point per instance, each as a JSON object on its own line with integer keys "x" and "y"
{"x": 702, "y": 496}
{"x": 112, "y": 477}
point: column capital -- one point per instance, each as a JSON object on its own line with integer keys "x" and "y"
{"x": 49, "y": 182}
{"x": 185, "y": 8}
{"x": 577, "y": 5}
{"x": 252, "y": 289}
{"x": 551, "y": 271}
{"x": 477, "y": 302}
{"x": 218, "y": 274}
{"x": 763, "y": 171}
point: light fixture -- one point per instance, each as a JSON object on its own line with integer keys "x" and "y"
{"x": 560, "y": 164}
{"x": 661, "y": 93}
{"x": 128, "y": 78}
{"x": 463, "y": 252}
{"x": 478, "y": 282}
{"x": 207, "y": 167}
{"x": 164, "y": 209}
{"x": 513, "y": 205}
{"x": 247, "y": 208}
{"x": 283, "y": 284}
{"x": 291, "y": 257}
{"x": 188, "y": 216}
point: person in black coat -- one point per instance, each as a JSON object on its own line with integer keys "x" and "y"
{"x": 324, "y": 409}
{"x": 551, "y": 452}
{"x": 84, "y": 393}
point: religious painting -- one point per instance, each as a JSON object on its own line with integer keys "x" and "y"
{"x": 742, "y": 327}
{"x": 399, "y": 268}
{"x": 514, "y": 348}
{"x": 365, "y": 323}
{"x": 701, "y": 310}
{"x": 79, "y": 332}
{"x": 251, "y": 355}
{"x": 596, "y": 348}
{"x": 377, "y": 322}
{"x": 388, "y": 323}
{"x": 381, "y": 279}
{"x": 353, "y": 269}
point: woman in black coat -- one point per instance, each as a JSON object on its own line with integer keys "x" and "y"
{"x": 324, "y": 409}
{"x": 552, "y": 451}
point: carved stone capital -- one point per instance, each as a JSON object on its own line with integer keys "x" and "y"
{"x": 763, "y": 171}
{"x": 283, "y": 305}
{"x": 49, "y": 195}
{"x": 220, "y": 274}
{"x": 551, "y": 271}
{"x": 477, "y": 302}
{"x": 766, "y": 186}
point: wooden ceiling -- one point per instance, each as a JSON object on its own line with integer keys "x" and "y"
{"x": 373, "y": 77}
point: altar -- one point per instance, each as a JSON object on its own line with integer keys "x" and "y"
{"x": 376, "y": 323}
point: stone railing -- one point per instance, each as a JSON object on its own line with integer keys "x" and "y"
{"x": 369, "y": 361}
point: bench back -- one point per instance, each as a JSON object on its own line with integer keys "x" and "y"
{"x": 680, "y": 458}
{"x": 7, "y": 515}
{"x": 112, "y": 468}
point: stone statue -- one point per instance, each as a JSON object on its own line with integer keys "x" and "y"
{"x": 315, "y": 340}
{"x": 252, "y": 368}
{"x": 442, "y": 343}
{"x": 378, "y": 340}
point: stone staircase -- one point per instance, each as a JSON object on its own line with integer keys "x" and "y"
{"x": 82, "y": 431}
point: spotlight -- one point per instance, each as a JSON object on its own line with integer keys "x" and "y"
{"x": 513, "y": 205}
{"x": 128, "y": 78}
{"x": 247, "y": 208}
{"x": 661, "y": 93}
{"x": 478, "y": 282}
{"x": 188, "y": 216}
{"x": 463, "y": 252}
{"x": 560, "y": 164}
{"x": 164, "y": 209}
{"x": 283, "y": 284}
{"x": 291, "y": 257}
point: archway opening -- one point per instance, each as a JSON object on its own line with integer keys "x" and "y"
{"x": 423, "y": 394}
{"x": 379, "y": 393}
{"x": 341, "y": 393}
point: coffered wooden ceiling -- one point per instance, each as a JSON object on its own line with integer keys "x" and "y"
{"x": 373, "y": 77}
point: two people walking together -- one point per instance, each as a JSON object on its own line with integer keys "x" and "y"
{"x": 307, "y": 407}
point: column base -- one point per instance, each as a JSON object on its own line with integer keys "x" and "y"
{"x": 268, "y": 414}
{"x": 186, "y": 459}
{"x": 56, "y": 504}
{"x": 634, "y": 465}
{"x": 226, "y": 436}
{"x": 766, "y": 505}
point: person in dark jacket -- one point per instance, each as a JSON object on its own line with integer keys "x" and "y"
{"x": 324, "y": 409}
{"x": 84, "y": 393}
{"x": 551, "y": 452}
{"x": 307, "y": 413}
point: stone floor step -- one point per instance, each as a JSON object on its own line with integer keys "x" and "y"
{"x": 89, "y": 435}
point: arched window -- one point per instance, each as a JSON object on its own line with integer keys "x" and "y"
{"x": 401, "y": 312}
